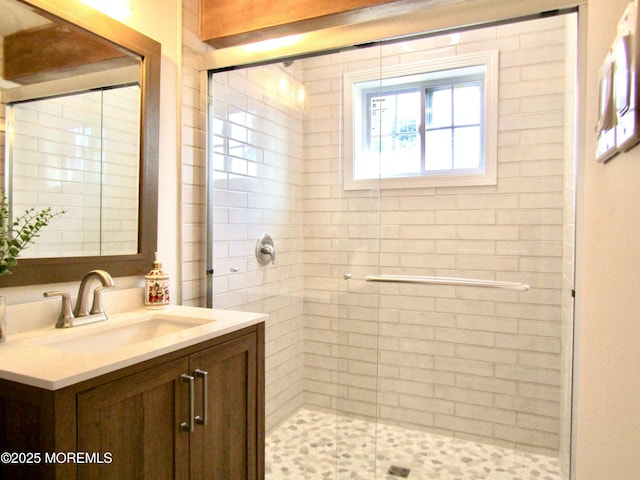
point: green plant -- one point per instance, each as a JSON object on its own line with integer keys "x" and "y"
{"x": 16, "y": 235}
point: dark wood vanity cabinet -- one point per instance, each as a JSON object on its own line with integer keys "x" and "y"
{"x": 133, "y": 420}
{"x": 197, "y": 413}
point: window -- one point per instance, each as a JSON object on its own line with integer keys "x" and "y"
{"x": 426, "y": 124}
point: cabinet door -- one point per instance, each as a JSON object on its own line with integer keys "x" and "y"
{"x": 226, "y": 447}
{"x": 26, "y": 423}
{"x": 136, "y": 420}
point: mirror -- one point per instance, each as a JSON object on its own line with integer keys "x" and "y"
{"x": 93, "y": 85}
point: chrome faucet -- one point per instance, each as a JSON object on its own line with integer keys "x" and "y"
{"x": 81, "y": 313}
{"x": 82, "y": 303}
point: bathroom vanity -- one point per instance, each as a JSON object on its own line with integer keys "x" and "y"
{"x": 171, "y": 394}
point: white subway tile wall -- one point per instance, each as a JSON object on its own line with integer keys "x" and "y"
{"x": 192, "y": 173}
{"x": 79, "y": 153}
{"x": 256, "y": 152}
{"x": 477, "y": 364}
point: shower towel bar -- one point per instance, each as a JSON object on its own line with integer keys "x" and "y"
{"x": 463, "y": 282}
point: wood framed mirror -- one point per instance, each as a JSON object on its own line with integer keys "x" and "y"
{"x": 81, "y": 20}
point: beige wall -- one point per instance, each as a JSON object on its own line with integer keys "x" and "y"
{"x": 161, "y": 20}
{"x": 608, "y": 401}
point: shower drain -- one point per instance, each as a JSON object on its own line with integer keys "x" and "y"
{"x": 399, "y": 471}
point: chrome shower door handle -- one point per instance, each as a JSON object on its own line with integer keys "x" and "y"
{"x": 189, "y": 425}
{"x": 202, "y": 419}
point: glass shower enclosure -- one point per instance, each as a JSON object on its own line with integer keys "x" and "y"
{"x": 415, "y": 331}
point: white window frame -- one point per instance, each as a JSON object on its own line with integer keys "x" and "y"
{"x": 358, "y": 82}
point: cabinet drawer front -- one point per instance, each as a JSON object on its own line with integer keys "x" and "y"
{"x": 136, "y": 421}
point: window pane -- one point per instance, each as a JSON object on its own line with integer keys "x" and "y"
{"x": 396, "y": 143}
{"x": 439, "y": 108}
{"x": 408, "y": 112}
{"x": 367, "y": 167}
{"x": 438, "y": 150}
{"x": 466, "y": 105}
{"x": 402, "y": 157}
{"x": 382, "y": 111}
{"x": 395, "y": 113}
{"x": 394, "y": 146}
{"x": 467, "y": 147}
{"x": 417, "y": 123}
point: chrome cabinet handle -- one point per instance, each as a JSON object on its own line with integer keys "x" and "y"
{"x": 202, "y": 419}
{"x": 189, "y": 425}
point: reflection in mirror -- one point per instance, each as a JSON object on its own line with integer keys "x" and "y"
{"x": 79, "y": 100}
{"x": 72, "y": 137}
{"x": 78, "y": 153}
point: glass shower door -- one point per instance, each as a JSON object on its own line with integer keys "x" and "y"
{"x": 358, "y": 243}
{"x": 479, "y": 364}
{"x": 416, "y": 380}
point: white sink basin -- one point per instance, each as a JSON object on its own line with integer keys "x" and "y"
{"x": 109, "y": 337}
{"x": 52, "y": 358}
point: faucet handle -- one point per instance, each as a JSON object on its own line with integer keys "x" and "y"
{"x": 268, "y": 251}
{"x": 265, "y": 249}
{"x": 97, "y": 301}
{"x": 65, "y": 319}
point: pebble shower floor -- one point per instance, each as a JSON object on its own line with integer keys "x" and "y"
{"x": 313, "y": 445}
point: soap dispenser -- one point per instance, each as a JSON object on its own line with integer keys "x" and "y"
{"x": 156, "y": 290}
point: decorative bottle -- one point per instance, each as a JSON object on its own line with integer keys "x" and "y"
{"x": 156, "y": 289}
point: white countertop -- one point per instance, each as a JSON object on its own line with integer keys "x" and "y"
{"x": 32, "y": 358}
